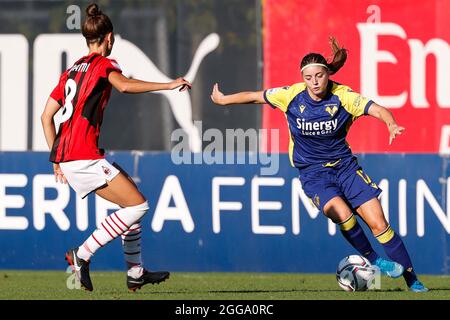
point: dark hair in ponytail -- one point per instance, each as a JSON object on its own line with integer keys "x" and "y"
{"x": 96, "y": 25}
{"x": 339, "y": 57}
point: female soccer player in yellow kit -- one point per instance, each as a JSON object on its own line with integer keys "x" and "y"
{"x": 319, "y": 113}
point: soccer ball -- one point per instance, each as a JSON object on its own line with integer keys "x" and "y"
{"x": 354, "y": 273}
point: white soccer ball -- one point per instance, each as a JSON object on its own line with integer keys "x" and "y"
{"x": 354, "y": 273}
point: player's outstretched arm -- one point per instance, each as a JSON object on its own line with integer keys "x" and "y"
{"x": 237, "y": 98}
{"x": 386, "y": 116}
{"x": 126, "y": 85}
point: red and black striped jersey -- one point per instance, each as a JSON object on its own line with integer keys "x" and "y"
{"x": 83, "y": 91}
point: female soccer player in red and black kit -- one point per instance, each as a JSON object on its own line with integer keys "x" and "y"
{"x": 320, "y": 112}
{"x": 83, "y": 92}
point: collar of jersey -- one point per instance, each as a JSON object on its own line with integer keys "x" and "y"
{"x": 327, "y": 96}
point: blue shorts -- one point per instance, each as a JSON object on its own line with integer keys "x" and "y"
{"x": 346, "y": 179}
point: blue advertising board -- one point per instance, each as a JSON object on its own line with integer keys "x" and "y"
{"x": 219, "y": 217}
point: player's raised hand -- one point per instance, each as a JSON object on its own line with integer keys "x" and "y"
{"x": 59, "y": 175}
{"x": 394, "y": 131}
{"x": 180, "y": 83}
{"x": 217, "y": 95}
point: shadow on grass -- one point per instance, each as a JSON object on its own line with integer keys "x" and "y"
{"x": 194, "y": 292}
{"x": 439, "y": 289}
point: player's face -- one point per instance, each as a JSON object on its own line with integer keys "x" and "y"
{"x": 316, "y": 80}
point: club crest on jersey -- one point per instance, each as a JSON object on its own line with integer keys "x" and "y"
{"x": 275, "y": 90}
{"x": 302, "y": 108}
{"x": 106, "y": 170}
{"x": 331, "y": 109}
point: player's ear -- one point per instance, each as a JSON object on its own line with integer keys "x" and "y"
{"x": 110, "y": 39}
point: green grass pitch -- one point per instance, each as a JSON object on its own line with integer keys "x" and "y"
{"x": 29, "y": 285}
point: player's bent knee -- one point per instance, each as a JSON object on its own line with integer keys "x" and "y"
{"x": 378, "y": 228}
{"x": 141, "y": 208}
{"x": 140, "y": 199}
{"x": 336, "y": 215}
{"x": 135, "y": 213}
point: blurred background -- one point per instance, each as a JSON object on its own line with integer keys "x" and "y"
{"x": 399, "y": 56}
{"x": 168, "y": 33}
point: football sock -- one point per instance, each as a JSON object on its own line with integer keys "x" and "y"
{"x": 396, "y": 251}
{"x": 352, "y": 231}
{"x": 110, "y": 228}
{"x": 131, "y": 244}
